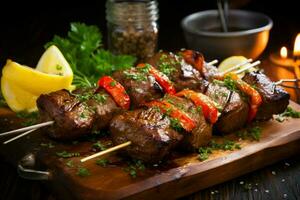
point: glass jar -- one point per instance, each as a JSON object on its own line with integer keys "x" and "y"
{"x": 132, "y": 27}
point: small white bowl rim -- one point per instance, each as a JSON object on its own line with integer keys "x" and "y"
{"x": 266, "y": 27}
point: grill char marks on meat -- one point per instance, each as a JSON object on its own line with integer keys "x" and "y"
{"x": 74, "y": 118}
{"x": 234, "y": 115}
{"x": 232, "y": 106}
{"x": 141, "y": 87}
{"x": 202, "y": 134}
{"x": 182, "y": 74}
{"x": 152, "y": 133}
{"x": 275, "y": 99}
{"x": 149, "y": 131}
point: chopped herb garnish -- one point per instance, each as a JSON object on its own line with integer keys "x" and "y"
{"x": 102, "y": 162}
{"x": 204, "y": 152}
{"x": 166, "y": 65}
{"x": 230, "y": 84}
{"x": 49, "y": 145}
{"x": 82, "y": 115}
{"x": 133, "y": 168}
{"x": 99, "y": 146}
{"x": 65, "y": 154}
{"x": 58, "y": 67}
{"x": 289, "y": 112}
{"x": 83, "y": 172}
{"x": 70, "y": 163}
{"x": 84, "y": 96}
{"x": 145, "y": 69}
{"x": 253, "y": 132}
{"x": 135, "y": 76}
{"x": 100, "y": 98}
{"x": 29, "y": 118}
{"x": 113, "y": 83}
{"x": 175, "y": 124}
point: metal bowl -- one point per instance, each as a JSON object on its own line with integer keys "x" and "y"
{"x": 248, "y": 33}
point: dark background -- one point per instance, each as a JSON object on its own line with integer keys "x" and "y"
{"x": 27, "y": 26}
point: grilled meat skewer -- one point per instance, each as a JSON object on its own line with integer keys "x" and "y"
{"x": 152, "y": 132}
{"x": 275, "y": 99}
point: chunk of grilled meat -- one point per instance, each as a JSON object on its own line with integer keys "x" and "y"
{"x": 74, "y": 116}
{"x": 149, "y": 131}
{"x": 141, "y": 87}
{"x": 182, "y": 74}
{"x": 152, "y": 133}
{"x": 202, "y": 134}
{"x": 234, "y": 115}
{"x": 275, "y": 99}
{"x": 234, "y": 109}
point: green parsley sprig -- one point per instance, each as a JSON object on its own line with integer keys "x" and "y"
{"x": 83, "y": 49}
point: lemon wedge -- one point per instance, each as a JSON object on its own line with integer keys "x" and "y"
{"x": 34, "y": 81}
{"x": 16, "y": 98}
{"x": 53, "y": 62}
{"x": 231, "y": 62}
{"x": 21, "y": 85}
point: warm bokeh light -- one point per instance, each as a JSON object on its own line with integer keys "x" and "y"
{"x": 297, "y": 46}
{"x": 283, "y": 52}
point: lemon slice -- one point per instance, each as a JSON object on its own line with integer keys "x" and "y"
{"x": 16, "y": 98}
{"x": 53, "y": 62}
{"x": 34, "y": 81}
{"x": 231, "y": 62}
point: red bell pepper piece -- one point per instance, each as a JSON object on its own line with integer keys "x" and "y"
{"x": 193, "y": 58}
{"x": 208, "y": 107}
{"x": 116, "y": 90}
{"x": 255, "y": 98}
{"x": 161, "y": 78}
{"x": 185, "y": 121}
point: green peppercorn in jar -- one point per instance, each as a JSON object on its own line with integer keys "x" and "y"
{"x": 132, "y": 27}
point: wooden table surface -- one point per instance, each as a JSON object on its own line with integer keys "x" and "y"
{"x": 278, "y": 181}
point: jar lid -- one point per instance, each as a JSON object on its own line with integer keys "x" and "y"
{"x": 131, "y": 11}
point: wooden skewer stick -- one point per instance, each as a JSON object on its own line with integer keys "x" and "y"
{"x": 237, "y": 66}
{"x": 212, "y": 62}
{"x": 286, "y": 80}
{"x": 248, "y": 67}
{"x": 19, "y": 136}
{"x": 120, "y": 146}
{"x": 36, "y": 126}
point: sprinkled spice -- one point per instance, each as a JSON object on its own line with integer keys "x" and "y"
{"x": 70, "y": 164}
{"x": 204, "y": 152}
{"x": 134, "y": 167}
{"x": 102, "y": 162}
{"x": 289, "y": 112}
{"x": 83, "y": 172}
{"x": 49, "y": 145}
{"x": 65, "y": 154}
{"x": 252, "y": 132}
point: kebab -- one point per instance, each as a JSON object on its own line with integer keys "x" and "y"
{"x": 152, "y": 70}
{"x": 64, "y": 107}
{"x": 232, "y": 101}
{"x": 186, "y": 69}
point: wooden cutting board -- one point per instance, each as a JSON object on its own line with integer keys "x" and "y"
{"x": 181, "y": 175}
